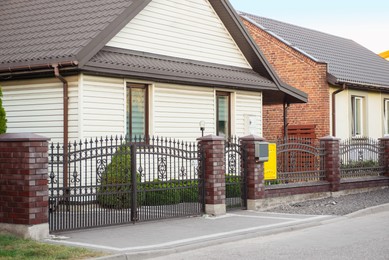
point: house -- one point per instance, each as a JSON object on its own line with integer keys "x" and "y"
{"x": 347, "y": 84}
{"x": 80, "y": 69}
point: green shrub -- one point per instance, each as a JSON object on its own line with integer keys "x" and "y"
{"x": 115, "y": 187}
{"x": 189, "y": 191}
{"x": 359, "y": 164}
{"x": 3, "y": 119}
{"x": 233, "y": 186}
{"x": 161, "y": 193}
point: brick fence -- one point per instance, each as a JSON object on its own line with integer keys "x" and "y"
{"x": 23, "y": 185}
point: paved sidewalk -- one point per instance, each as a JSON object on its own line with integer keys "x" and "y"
{"x": 149, "y": 239}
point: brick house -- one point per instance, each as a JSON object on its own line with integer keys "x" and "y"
{"x": 347, "y": 85}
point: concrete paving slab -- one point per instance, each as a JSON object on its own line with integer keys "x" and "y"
{"x": 149, "y": 237}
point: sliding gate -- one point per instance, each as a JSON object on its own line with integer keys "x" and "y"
{"x": 112, "y": 181}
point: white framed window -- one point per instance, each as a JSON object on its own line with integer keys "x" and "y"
{"x": 223, "y": 114}
{"x": 386, "y": 116}
{"x": 357, "y": 116}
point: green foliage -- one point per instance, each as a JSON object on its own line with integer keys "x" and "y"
{"x": 115, "y": 189}
{"x": 360, "y": 164}
{"x": 3, "y": 119}
{"x": 170, "y": 192}
{"x": 233, "y": 186}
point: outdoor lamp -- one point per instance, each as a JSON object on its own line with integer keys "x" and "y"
{"x": 202, "y": 127}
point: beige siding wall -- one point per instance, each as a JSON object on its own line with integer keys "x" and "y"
{"x": 248, "y": 107}
{"x": 181, "y": 28}
{"x": 102, "y": 106}
{"x": 373, "y": 113}
{"x": 36, "y": 106}
{"x": 177, "y": 111}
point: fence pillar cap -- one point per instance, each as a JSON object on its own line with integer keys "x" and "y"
{"x": 211, "y": 138}
{"x": 385, "y": 138}
{"x": 22, "y": 137}
{"x": 252, "y": 138}
{"x": 329, "y": 138}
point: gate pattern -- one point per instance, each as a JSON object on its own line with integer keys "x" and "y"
{"x": 361, "y": 157}
{"x": 115, "y": 181}
{"x": 299, "y": 160}
{"x": 235, "y": 157}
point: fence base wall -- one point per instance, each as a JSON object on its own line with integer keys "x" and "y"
{"x": 364, "y": 183}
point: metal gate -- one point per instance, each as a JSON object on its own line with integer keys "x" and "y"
{"x": 236, "y": 191}
{"x": 110, "y": 181}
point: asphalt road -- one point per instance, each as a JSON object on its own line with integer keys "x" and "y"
{"x": 364, "y": 237}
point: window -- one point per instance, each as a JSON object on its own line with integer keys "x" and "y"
{"x": 386, "y": 116}
{"x": 223, "y": 114}
{"x": 137, "y": 112}
{"x": 357, "y": 116}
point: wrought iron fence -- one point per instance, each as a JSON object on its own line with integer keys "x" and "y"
{"x": 361, "y": 157}
{"x": 299, "y": 160}
{"x": 116, "y": 180}
{"x": 235, "y": 158}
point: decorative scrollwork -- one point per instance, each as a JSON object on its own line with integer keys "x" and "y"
{"x": 100, "y": 168}
{"x": 162, "y": 168}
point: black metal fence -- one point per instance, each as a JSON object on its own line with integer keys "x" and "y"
{"x": 299, "y": 160}
{"x": 235, "y": 158}
{"x": 361, "y": 157}
{"x": 114, "y": 180}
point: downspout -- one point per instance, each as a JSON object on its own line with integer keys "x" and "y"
{"x": 285, "y": 110}
{"x": 334, "y": 108}
{"x": 65, "y": 126}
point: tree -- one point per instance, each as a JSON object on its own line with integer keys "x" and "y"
{"x": 3, "y": 120}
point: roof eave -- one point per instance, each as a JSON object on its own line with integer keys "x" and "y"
{"x": 250, "y": 50}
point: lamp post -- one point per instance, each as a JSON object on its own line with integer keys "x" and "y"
{"x": 202, "y": 127}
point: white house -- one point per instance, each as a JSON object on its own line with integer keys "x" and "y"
{"x": 86, "y": 69}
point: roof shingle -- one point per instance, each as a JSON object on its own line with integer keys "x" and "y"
{"x": 348, "y": 61}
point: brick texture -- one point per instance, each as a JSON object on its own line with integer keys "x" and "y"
{"x": 331, "y": 161}
{"x": 300, "y": 72}
{"x": 384, "y": 143}
{"x": 23, "y": 180}
{"x": 214, "y": 172}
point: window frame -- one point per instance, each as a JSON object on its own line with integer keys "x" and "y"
{"x": 129, "y": 87}
{"x": 386, "y": 116}
{"x": 223, "y": 94}
{"x": 354, "y": 114}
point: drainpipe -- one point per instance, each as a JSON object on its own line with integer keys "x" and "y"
{"x": 65, "y": 126}
{"x": 334, "y": 108}
{"x": 286, "y": 107}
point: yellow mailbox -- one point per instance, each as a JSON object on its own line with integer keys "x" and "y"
{"x": 270, "y": 167}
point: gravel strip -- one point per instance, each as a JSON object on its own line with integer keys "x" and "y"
{"x": 340, "y": 206}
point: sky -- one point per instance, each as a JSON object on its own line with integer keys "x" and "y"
{"x": 364, "y": 21}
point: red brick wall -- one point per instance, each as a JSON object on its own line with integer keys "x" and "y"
{"x": 302, "y": 73}
{"x": 23, "y": 179}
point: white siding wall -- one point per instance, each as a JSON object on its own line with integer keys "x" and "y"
{"x": 181, "y": 28}
{"x": 103, "y": 106}
{"x": 248, "y": 117}
{"x": 373, "y": 113}
{"x": 36, "y": 106}
{"x": 177, "y": 111}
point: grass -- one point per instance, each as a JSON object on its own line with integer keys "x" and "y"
{"x": 12, "y": 247}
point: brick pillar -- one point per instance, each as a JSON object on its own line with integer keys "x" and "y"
{"x": 23, "y": 185}
{"x": 255, "y": 183}
{"x": 384, "y": 143}
{"x": 214, "y": 174}
{"x": 331, "y": 161}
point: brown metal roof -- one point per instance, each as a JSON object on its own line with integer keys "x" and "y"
{"x": 40, "y": 31}
{"x": 165, "y": 68}
{"x": 348, "y": 62}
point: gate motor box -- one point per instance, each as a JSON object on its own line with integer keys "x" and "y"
{"x": 261, "y": 151}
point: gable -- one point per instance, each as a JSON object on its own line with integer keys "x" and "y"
{"x": 188, "y": 29}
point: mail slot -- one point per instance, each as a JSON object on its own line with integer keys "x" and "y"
{"x": 261, "y": 151}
